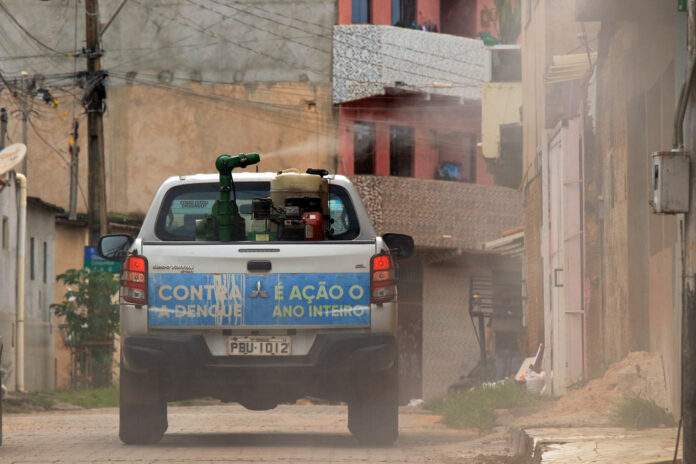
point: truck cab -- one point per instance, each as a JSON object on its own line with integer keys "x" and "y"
{"x": 273, "y": 315}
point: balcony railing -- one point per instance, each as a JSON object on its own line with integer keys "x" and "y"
{"x": 367, "y": 59}
{"x": 440, "y": 214}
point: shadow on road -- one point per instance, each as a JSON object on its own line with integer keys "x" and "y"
{"x": 294, "y": 440}
{"x": 323, "y": 440}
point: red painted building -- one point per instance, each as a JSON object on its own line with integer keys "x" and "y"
{"x": 412, "y": 135}
{"x": 413, "y": 122}
{"x": 466, "y": 18}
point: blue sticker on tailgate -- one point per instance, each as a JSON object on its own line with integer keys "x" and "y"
{"x": 205, "y": 300}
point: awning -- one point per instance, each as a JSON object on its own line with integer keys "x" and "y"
{"x": 510, "y": 245}
{"x": 569, "y": 67}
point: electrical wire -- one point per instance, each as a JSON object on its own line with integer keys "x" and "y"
{"x": 29, "y": 34}
{"x": 302, "y": 122}
{"x": 354, "y": 58}
{"x": 46, "y": 142}
{"x": 118, "y": 10}
{"x": 329, "y": 36}
{"x": 191, "y": 24}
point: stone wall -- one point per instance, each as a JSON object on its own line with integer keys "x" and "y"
{"x": 368, "y": 58}
{"x": 438, "y": 213}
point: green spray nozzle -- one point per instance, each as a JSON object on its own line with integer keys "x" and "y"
{"x": 226, "y": 221}
{"x": 226, "y": 163}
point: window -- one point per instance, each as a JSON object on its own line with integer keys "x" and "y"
{"x": 5, "y": 233}
{"x": 344, "y": 221}
{"x": 45, "y": 261}
{"x": 184, "y": 204}
{"x": 364, "y": 148}
{"x": 403, "y": 12}
{"x": 457, "y": 157}
{"x": 361, "y": 13}
{"x": 401, "y": 145}
{"x": 32, "y": 251}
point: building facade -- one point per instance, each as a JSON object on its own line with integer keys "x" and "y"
{"x": 388, "y": 91}
{"x": 600, "y": 85}
{"x": 39, "y": 365}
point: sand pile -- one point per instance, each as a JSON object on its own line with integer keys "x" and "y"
{"x": 639, "y": 374}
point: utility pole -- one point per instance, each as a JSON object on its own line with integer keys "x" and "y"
{"x": 74, "y": 159}
{"x": 3, "y": 127}
{"x": 95, "y": 94}
{"x": 25, "y": 116}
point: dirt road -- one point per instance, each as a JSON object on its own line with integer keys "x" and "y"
{"x": 230, "y": 433}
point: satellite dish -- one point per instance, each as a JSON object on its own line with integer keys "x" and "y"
{"x": 11, "y": 156}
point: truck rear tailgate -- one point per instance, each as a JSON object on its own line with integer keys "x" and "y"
{"x": 288, "y": 285}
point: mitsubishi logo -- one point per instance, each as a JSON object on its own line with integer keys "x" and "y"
{"x": 259, "y": 292}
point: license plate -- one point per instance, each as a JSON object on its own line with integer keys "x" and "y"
{"x": 259, "y": 346}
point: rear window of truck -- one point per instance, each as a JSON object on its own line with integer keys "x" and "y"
{"x": 184, "y": 204}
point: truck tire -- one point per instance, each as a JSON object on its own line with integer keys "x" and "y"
{"x": 144, "y": 422}
{"x": 373, "y": 414}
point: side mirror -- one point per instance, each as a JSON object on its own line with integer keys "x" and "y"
{"x": 400, "y": 245}
{"x": 115, "y": 247}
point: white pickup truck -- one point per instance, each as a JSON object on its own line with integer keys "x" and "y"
{"x": 258, "y": 321}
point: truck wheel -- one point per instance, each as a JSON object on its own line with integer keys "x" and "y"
{"x": 373, "y": 415}
{"x": 143, "y": 422}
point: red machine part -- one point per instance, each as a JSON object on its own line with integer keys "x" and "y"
{"x": 314, "y": 225}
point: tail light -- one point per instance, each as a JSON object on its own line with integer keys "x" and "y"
{"x": 382, "y": 279}
{"x": 134, "y": 280}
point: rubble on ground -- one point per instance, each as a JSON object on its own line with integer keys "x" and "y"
{"x": 640, "y": 374}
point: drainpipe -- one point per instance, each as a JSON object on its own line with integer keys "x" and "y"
{"x": 21, "y": 246}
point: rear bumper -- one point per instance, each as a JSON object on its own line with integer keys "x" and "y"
{"x": 190, "y": 370}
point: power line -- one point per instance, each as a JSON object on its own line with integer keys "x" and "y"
{"x": 29, "y": 34}
{"x": 224, "y": 18}
{"x": 118, "y": 10}
{"x": 406, "y": 60}
{"x": 46, "y": 142}
{"x": 303, "y": 21}
{"x": 297, "y": 120}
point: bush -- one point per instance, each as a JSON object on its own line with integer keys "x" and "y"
{"x": 639, "y": 413}
{"x": 91, "y": 321}
{"x": 475, "y": 408}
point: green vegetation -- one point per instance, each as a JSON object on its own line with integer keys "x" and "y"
{"x": 91, "y": 321}
{"x": 475, "y": 408}
{"x": 87, "y": 398}
{"x": 509, "y": 20}
{"x": 639, "y": 413}
{"x": 49, "y": 400}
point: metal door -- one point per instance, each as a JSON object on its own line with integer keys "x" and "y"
{"x": 565, "y": 257}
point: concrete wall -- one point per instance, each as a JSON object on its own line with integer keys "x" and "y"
{"x": 38, "y": 358}
{"x": 71, "y": 238}
{"x": 501, "y": 102}
{"x": 8, "y": 272}
{"x": 450, "y": 348}
{"x": 199, "y": 40}
{"x": 186, "y": 83}
{"x": 636, "y": 100}
{"x": 548, "y": 28}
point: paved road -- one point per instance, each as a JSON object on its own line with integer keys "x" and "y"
{"x": 230, "y": 433}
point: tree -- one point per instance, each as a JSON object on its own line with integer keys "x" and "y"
{"x": 91, "y": 320}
